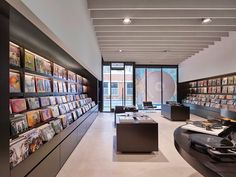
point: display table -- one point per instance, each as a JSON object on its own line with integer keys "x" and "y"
{"x": 123, "y": 109}
{"x": 203, "y": 163}
{"x": 175, "y": 112}
{"x": 136, "y": 135}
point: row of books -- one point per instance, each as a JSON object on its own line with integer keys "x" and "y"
{"x": 55, "y": 119}
{"x": 216, "y": 101}
{"x": 230, "y": 80}
{"x": 39, "y": 84}
{"x": 41, "y": 65}
{"x": 217, "y": 89}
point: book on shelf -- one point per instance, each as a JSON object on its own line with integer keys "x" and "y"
{"x": 74, "y": 115}
{"x": 46, "y": 132}
{"x": 43, "y": 84}
{"x": 29, "y": 84}
{"x": 55, "y": 86}
{"x": 52, "y": 100}
{"x": 231, "y": 89}
{"x": 18, "y": 124}
{"x": 14, "y": 82}
{"x": 63, "y": 120}
{"x": 19, "y": 150}
{"x": 67, "y": 107}
{"x": 14, "y": 55}
{"x": 69, "y": 118}
{"x": 63, "y": 99}
{"x": 33, "y": 118}
{"x": 58, "y": 99}
{"x": 60, "y": 87}
{"x": 225, "y": 89}
{"x": 62, "y": 109}
{"x": 33, "y": 103}
{"x": 29, "y": 61}
{"x": 18, "y": 105}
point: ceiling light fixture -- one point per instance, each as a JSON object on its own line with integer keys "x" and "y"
{"x": 206, "y": 20}
{"x": 120, "y": 50}
{"x": 126, "y": 21}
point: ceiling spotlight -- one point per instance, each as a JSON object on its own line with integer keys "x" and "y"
{"x": 126, "y": 21}
{"x": 120, "y": 50}
{"x": 206, "y": 20}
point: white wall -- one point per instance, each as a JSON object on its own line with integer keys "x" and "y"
{"x": 216, "y": 60}
{"x": 68, "y": 24}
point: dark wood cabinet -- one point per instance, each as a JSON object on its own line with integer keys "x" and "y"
{"x": 175, "y": 113}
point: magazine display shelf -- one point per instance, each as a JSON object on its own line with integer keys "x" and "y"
{"x": 60, "y": 147}
{"x": 51, "y": 156}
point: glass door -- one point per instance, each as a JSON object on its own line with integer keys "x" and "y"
{"x": 117, "y": 85}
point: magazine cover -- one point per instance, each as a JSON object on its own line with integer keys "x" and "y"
{"x": 63, "y": 120}
{"x": 74, "y": 115}
{"x": 224, "y": 89}
{"x": 33, "y": 118}
{"x": 44, "y": 101}
{"x": 69, "y": 87}
{"x": 55, "y": 86}
{"x": 67, "y": 107}
{"x": 62, "y": 109}
{"x": 33, "y": 103}
{"x": 54, "y": 111}
{"x": 71, "y": 76}
{"x": 73, "y": 88}
{"x": 18, "y": 105}
{"x": 68, "y": 98}
{"x": 42, "y": 65}
{"x": 56, "y": 69}
{"x": 71, "y": 106}
{"x": 47, "y": 85}
{"x": 79, "y": 112}
{"x": 63, "y": 99}
{"x": 59, "y": 99}
{"x": 34, "y": 140}
{"x": 60, "y": 87}
{"x": 218, "y": 81}
{"x": 69, "y": 118}
{"x": 230, "y": 80}
{"x": 14, "y": 55}
{"x": 56, "y": 125}
{"x": 18, "y": 124}
{"x": 225, "y": 81}
{"x": 14, "y": 82}
{"x": 29, "y": 84}
{"x": 64, "y": 87}
{"x": 52, "y": 100}
{"x": 29, "y": 61}
{"x": 79, "y": 79}
{"x": 46, "y": 132}
{"x": 231, "y": 89}
{"x": 40, "y": 87}
{"x": 234, "y": 79}
{"x": 218, "y": 89}
{"x": 19, "y": 150}
{"x": 74, "y": 105}
{"x": 45, "y": 114}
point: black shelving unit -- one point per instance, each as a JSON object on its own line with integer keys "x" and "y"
{"x": 52, "y": 155}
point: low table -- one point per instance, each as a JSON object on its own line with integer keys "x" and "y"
{"x": 136, "y": 135}
{"x": 175, "y": 112}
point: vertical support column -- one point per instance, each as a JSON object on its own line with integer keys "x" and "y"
{"x": 4, "y": 89}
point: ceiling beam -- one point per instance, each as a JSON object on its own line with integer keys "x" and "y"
{"x": 150, "y": 49}
{"x": 162, "y": 14}
{"x": 153, "y": 45}
{"x": 163, "y": 34}
{"x": 165, "y": 28}
{"x": 161, "y": 4}
{"x": 155, "y": 42}
{"x": 103, "y": 39}
{"x": 164, "y": 22}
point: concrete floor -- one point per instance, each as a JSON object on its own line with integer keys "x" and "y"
{"x": 95, "y": 155}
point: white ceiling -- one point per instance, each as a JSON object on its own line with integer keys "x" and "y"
{"x": 162, "y": 31}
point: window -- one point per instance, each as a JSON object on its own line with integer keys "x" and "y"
{"x": 105, "y": 88}
{"x": 114, "y": 88}
{"x": 129, "y": 88}
{"x": 106, "y": 69}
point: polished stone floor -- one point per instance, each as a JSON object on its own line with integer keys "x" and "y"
{"x": 95, "y": 156}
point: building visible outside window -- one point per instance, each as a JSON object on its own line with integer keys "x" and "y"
{"x": 114, "y": 88}
{"x": 105, "y": 88}
{"x": 129, "y": 88}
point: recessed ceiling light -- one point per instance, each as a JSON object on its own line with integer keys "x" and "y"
{"x": 206, "y": 20}
{"x": 126, "y": 21}
{"x": 120, "y": 50}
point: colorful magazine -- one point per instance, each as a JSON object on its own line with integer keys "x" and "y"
{"x": 55, "y": 86}
{"x": 33, "y": 118}
{"x": 14, "y": 55}
{"x": 44, "y": 101}
{"x": 33, "y": 103}
{"x": 14, "y": 82}
{"x": 18, "y": 105}
{"x": 52, "y": 100}
{"x": 40, "y": 87}
{"x": 56, "y": 125}
{"x": 54, "y": 111}
{"x": 42, "y": 65}
{"x": 29, "y": 84}
{"x": 19, "y": 151}
{"x": 45, "y": 114}
{"x": 29, "y": 61}
{"x": 18, "y": 124}
{"x": 46, "y": 132}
